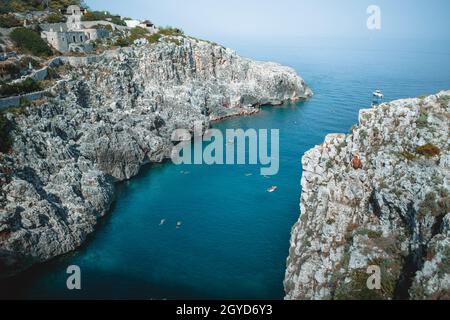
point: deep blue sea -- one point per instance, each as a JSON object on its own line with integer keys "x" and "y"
{"x": 234, "y": 239}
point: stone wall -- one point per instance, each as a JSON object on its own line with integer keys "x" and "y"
{"x": 16, "y": 100}
{"x": 40, "y": 74}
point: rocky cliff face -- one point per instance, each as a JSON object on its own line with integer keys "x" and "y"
{"x": 377, "y": 197}
{"x": 104, "y": 122}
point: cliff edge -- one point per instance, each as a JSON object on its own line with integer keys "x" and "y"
{"x": 377, "y": 197}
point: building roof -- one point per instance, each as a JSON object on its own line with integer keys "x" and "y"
{"x": 74, "y": 9}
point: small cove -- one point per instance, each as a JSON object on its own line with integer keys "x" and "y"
{"x": 234, "y": 239}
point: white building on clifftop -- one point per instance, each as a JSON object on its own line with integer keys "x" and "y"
{"x": 146, "y": 24}
{"x": 72, "y": 35}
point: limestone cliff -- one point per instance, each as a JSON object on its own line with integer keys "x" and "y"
{"x": 104, "y": 121}
{"x": 377, "y": 197}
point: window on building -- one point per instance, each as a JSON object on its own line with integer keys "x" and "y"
{"x": 81, "y": 38}
{"x": 74, "y": 39}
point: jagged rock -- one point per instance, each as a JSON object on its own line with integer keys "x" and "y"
{"x": 107, "y": 119}
{"x": 393, "y": 212}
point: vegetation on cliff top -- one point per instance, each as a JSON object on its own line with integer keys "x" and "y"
{"x": 9, "y": 21}
{"x": 139, "y": 33}
{"x": 35, "y": 5}
{"x": 170, "y": 31}
{"x": 134, "y": 34}
{"x": 27, "y": 86}
{"x": 15, "y": 67}
{"x": 55, "y": 18}
{"x": 103, "y": 15}
{"x": 444, "y": 101}
{"x": 29, "y": 41}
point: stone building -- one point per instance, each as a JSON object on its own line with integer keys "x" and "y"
{"x": 77, "y": 35}
{"x": 72, "y": 35}
{"x": 64, "y": 40}
{"x": 149, "y": 26}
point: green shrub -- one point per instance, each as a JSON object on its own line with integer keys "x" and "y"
{"x": 363, "y": 134}
{"x": 444, "y": 266}
{"x": 357, "y": 289}
{"x": 154, "y": 38}
{"x": 135, "y": 34}
{"x": 24, "y": 102}
{"x": 138, "y": 33}
{"x": 56, "y": 72}
{"x": 170, "y": 31}
{"x": 175, "y": 41}
{"x": 123, "y": 42}
{"x": 52, "y": 74}
{"x": 429, "y": 150}
{"x": 26, "y": 86}
{"x": 105, "y": 27}
{"x": 422, "y": 121}
{"x": 25, "y": 62}
{"x": 16, "y": 6}
{"x": 8, "y": 68}
{"x": 329, "y": 164}
{"x": 63, "y": 4}
{"x": 408, "y": 155}
{"x": 383, "y": 184}
{"x": 31, "y": 5}
{"x": 4, "y": 7}
{"x": 102, "y": 15}
{"x": 30, "y": 41}
{"x": 444, "y": 101}
{"x": 5, "y": 138}
{"x": 56, "y": 18}
{"x": 370, "y": 233}
{"x": 9, "y": 21}
{"x": 340, "y": 146}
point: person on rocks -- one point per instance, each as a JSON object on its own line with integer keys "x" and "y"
{"x": 356, "y": 162}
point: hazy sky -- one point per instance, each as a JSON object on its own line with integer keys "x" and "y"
{"x": 289, "y": 19}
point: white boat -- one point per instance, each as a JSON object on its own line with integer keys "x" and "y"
{"x": 272, "y": 189}
{"x": 378, "y": 94}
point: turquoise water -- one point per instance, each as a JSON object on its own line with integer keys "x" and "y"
{"x": 235, "y": 236}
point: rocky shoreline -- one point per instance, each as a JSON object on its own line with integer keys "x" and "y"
{"x": 103, "y": 122}
{"x": 377, "y": 197}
